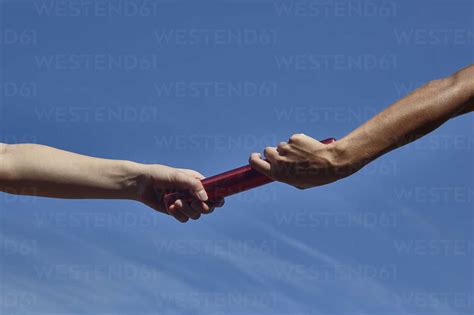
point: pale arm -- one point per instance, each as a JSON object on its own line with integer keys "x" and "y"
{"x": 49, "y": 172}
{"x": 60, "y": 174}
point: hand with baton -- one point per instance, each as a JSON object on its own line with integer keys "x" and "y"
{"x": 303, "y": 162}
{"x": 228, "y": 183}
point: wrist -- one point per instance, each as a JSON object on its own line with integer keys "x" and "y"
{"x": 463, "y": 82}
{"x": 346, "y": 158}
{"x": 132, "y": 179}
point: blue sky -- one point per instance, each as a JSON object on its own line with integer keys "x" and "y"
{"x": 202, "y": 84}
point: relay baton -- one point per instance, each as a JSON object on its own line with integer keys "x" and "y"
{"x": 228, "y": 183}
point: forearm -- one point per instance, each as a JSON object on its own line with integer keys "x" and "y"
{"x": 410, "y": 118}
{"x": 49, "y": 172}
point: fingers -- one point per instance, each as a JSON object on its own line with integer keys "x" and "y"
{"x": 189, "y": 200}
{"x": 183, "y": 211}
{"x": 208, "y": 206}
{"x": 215, "y": 204}
{"x": 283, "y": 148}
{"x": 260, "y": 165}
{"x": 177, "y": 214}
{"x": 219, "y": 203}
{"x": 271, "y": 154}
{"x": 298, "y": 138}
{"x": 200, "y": 207}
{"x": 194, "y": 185}
{"x": 187, "y": 210}
{"x": 301, "y": 138}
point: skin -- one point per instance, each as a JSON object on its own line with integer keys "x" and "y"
{"x": 302, "y": 161}
{"x": 30, "y": 169}
{"x": 305, "y": 162}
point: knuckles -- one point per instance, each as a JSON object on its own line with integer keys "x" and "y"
{"x": 283, "y": 146}
{"x": 268, "y": 151}
{"x": 297, "y": 137}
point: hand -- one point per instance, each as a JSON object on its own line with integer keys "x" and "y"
{"x": 303, "y": 162}
{"x": 156, "y": 180}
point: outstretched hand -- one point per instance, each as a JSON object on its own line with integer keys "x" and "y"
{"x": 159, "y": 180}
{"x": 302, "y": 162}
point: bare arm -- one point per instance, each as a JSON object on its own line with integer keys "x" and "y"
{"x": 411, "y": 117}
{"x": 49, "y": 172}
{"x": 61, "y": 174}
{"x": 304, "y": 162}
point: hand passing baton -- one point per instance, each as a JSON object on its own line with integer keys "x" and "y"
{"x": 228, "y": 183}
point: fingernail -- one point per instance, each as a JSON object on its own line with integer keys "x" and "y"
{"x": 202, "y": 195}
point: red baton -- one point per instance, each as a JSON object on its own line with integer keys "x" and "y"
{"x": 228, "y": 183}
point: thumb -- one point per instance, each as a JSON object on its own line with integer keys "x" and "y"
{"x": 184, "y": 181}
